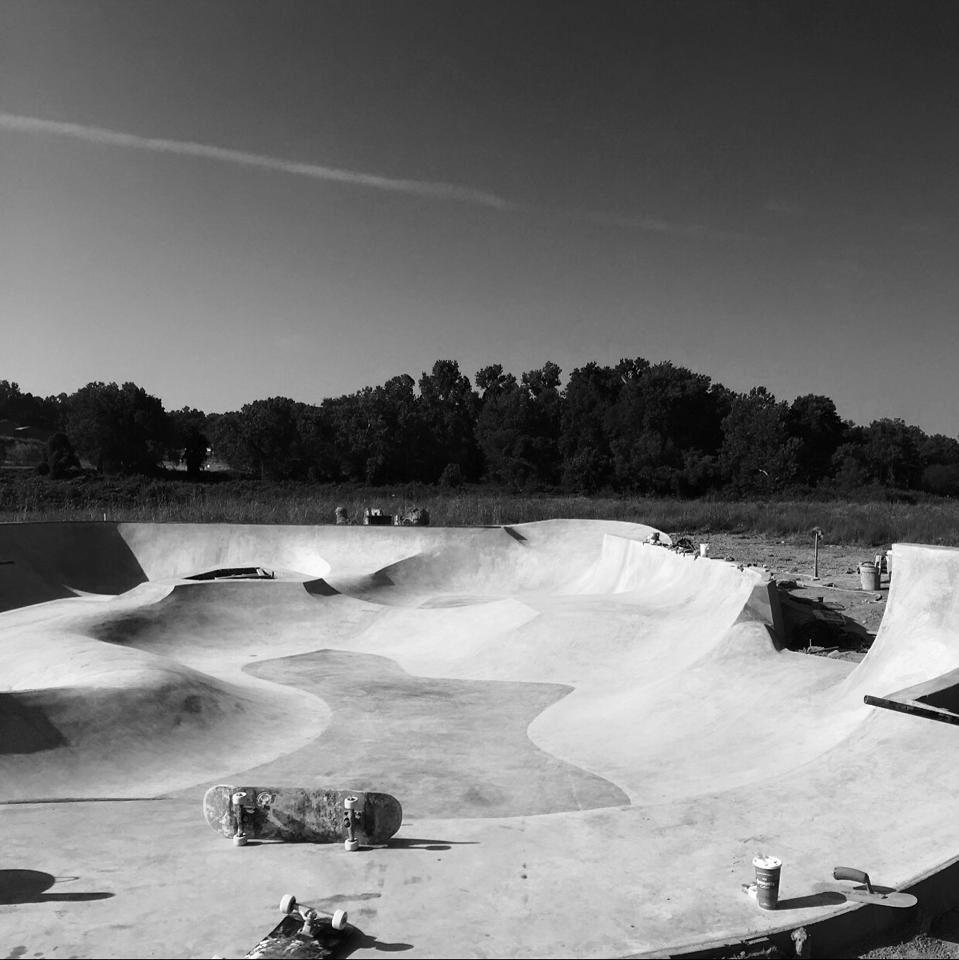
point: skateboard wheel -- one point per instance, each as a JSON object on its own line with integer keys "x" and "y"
{"x": 239, "y": 840}
{"x": 350, "y": 802}
{"x": 288, "y": 903}
{"x": 339, "y": 920}
{"x": 351, "y": 845}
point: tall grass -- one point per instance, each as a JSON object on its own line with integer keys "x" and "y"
{"x": 856, "y": 523}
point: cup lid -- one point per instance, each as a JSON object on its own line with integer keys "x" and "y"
{"x": 767, "y": 863}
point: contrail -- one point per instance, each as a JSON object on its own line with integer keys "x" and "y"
{"x": 101, "y": 135}
{"x": 688, "y": 231}
{"x": 423, "y": 188}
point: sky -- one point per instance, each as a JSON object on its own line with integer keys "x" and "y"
{"x": 224, "y": 201}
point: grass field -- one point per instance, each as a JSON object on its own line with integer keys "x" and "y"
{"x": 859, "y": 522}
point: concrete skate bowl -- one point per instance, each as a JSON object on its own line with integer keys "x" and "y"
{"x": 591, "y": 737}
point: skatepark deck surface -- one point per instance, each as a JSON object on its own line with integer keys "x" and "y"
{"x": 591, "y": 737}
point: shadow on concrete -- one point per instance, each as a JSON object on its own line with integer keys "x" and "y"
{"x": 412, "y": 843}
{"x": 30, "y": 886}
{"x": 25, "y": 726}
{"x": 366, "y": 942}
{"x": 826, "y": 898}
{"x": 459, "y": 747}
{"x": 334, "y": 902}
{"x": 320, "y": 588}
{"x": 52, "y": 560}
{"x": 809, "y": 622}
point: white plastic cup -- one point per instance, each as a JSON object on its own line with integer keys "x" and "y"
{"x": 768, "y": 871}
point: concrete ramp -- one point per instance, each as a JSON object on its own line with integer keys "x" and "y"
{"x": 48, "y": 561}
{"x": 919, "y": 635}
{"x": 591, "y": 737}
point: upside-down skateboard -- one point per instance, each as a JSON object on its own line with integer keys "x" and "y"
{"x": 299, "y": 815}
{"x": 303, "y": 934}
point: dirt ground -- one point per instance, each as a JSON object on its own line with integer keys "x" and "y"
{"x": 793, "y": 565}
{"x": 940, "y": 943}
{"x": 840, "y": 588}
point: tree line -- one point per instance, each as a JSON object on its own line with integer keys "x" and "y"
{"x": 636, "y": 427}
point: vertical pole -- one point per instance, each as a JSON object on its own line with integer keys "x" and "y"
{"x": 815, "y": 574}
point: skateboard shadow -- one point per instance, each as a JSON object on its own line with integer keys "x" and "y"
{"x": 413, "y": 843}
{"x": 366, "y": 942}
{"x": 30, "y": 886}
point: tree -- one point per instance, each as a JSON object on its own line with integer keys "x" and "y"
{"x": 492, "y": 380}
{"x": 665, "y": 428}
{"x": 189, "y": 440}
{"x": 519, "y": 423}
{"x": 939, "y": 457}
{"x": 891, "y": 453}
{"x": 24, "y": 409}
{"x": 376, "y": 432}
{"x": 449, "y": 408}
{"x": 10, "y": 399}
{"x": 938, "y": 449}
{"x": 269, "y": 437}
{"x": 262, "y": 437}
{"x": 814, "y": 422}
{"x": 226, "y": 440}
{"x": 545, "y": 419}
{"x": 316, "y": 435}
{"x": 757, "y": 453}
{"x": 589, "y": 397}
{"x": 119, "y": 429}
{"x": 502, "y": 430}
{"x": 61, "y": 461}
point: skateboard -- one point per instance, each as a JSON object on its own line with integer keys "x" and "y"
{"x": 869, "y": 892}
{"x": 303, "y": 934}
{"x": 298, "y": 815}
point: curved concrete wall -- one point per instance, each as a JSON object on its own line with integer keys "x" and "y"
{"x": 49, "y": 561}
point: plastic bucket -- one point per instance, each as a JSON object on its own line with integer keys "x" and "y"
{"x": 868, "y": 576}
{"x": 768, "y": 870}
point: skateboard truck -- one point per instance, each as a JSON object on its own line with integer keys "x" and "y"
{"x": 239, "y": 837}
{"x": 309, "y": 916}
{"x": 350, "y": 820}
{"x": 304, "y": 934}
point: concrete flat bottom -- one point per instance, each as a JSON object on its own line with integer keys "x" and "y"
{"x": 591, "y": 738}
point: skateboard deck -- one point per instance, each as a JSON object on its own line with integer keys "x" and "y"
{"x": 299, "y": 815}
{"x": 319, "y": 939}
